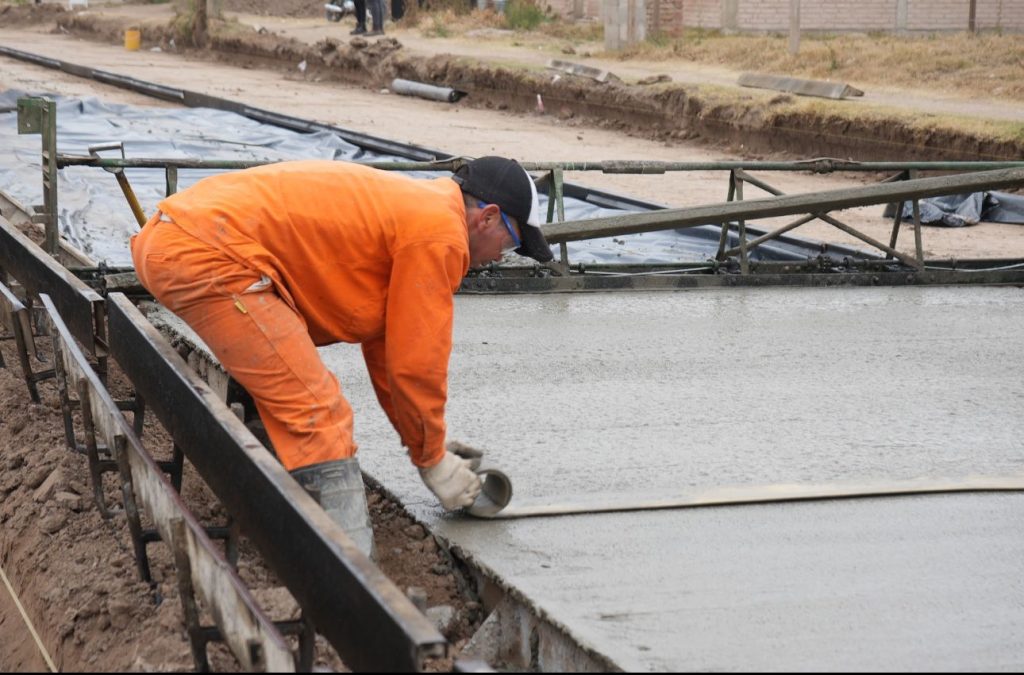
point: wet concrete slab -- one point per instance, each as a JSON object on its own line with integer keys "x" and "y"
{"x": 646, "y": 394}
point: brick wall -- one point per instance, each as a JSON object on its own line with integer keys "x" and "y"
{"x": 820, "y": 15}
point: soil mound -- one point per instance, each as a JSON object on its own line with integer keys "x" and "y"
{"x": 275, "y": 7}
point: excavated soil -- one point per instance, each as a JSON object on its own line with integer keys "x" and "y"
{"x": 663, "y": 111}
{"x": 275, "y": 7}
{"x": 75, "y": 572}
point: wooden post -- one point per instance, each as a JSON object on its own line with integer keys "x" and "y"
{"x": 972, "y": 16}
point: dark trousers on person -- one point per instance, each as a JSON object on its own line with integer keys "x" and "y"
{"x": 377, "y": 14}
{"x": 360, "y": 14}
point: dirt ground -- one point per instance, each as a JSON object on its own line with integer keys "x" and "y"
{"x": 100, "y": 617}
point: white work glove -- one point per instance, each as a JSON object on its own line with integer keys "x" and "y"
{"x": 453, "y": 482}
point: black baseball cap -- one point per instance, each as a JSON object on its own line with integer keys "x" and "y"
{"x": 501, "y": 181}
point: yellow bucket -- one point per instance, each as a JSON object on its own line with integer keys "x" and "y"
{"x": 132, "y": 39}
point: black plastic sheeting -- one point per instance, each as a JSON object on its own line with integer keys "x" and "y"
{"x": 965, "y": 210}
{"x": 95, "y": 217}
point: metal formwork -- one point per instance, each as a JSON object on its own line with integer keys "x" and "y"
{"x": 736, "y": 241}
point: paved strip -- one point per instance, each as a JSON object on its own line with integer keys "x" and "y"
{"x": 647, "y": 393}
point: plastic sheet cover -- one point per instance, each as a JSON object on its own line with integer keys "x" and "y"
{"x": 95, "y": 217}
{"x": 964, "y": 210}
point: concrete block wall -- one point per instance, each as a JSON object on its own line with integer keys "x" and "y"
{"x": 938, "y": 15}
{"x": 1007, "y": 15}
{"x": 837, "y": 15}
{"x": 817, "y": 15}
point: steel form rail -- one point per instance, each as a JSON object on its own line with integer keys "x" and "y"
{"x": 254, "y": 640}
{"x": 349, "y": 600}
{"x": 37, "y": 272}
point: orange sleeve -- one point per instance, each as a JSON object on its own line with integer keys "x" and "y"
{"x": 418, "y": 343}
{"x": 376, "y": 364}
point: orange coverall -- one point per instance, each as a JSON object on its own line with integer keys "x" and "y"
{"x": 265, "y": 264}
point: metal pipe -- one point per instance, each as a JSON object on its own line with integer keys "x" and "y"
{"x": 427, "y": 91}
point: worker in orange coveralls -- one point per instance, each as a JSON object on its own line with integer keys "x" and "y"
{"x": 268, "y": 263}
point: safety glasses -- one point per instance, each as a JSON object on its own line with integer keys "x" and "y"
{"x": 508, "y": 225}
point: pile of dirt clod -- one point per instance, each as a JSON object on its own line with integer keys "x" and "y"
{"x": 75, "y": 572}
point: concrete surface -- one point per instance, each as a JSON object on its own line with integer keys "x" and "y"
{"x": 645, "y": 393}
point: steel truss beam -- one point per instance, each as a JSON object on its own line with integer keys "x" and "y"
{"x": 831, "y": 200}
{"x": 816, "y": 205}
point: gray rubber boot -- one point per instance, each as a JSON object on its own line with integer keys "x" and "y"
{"x": 338, "y": 487}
